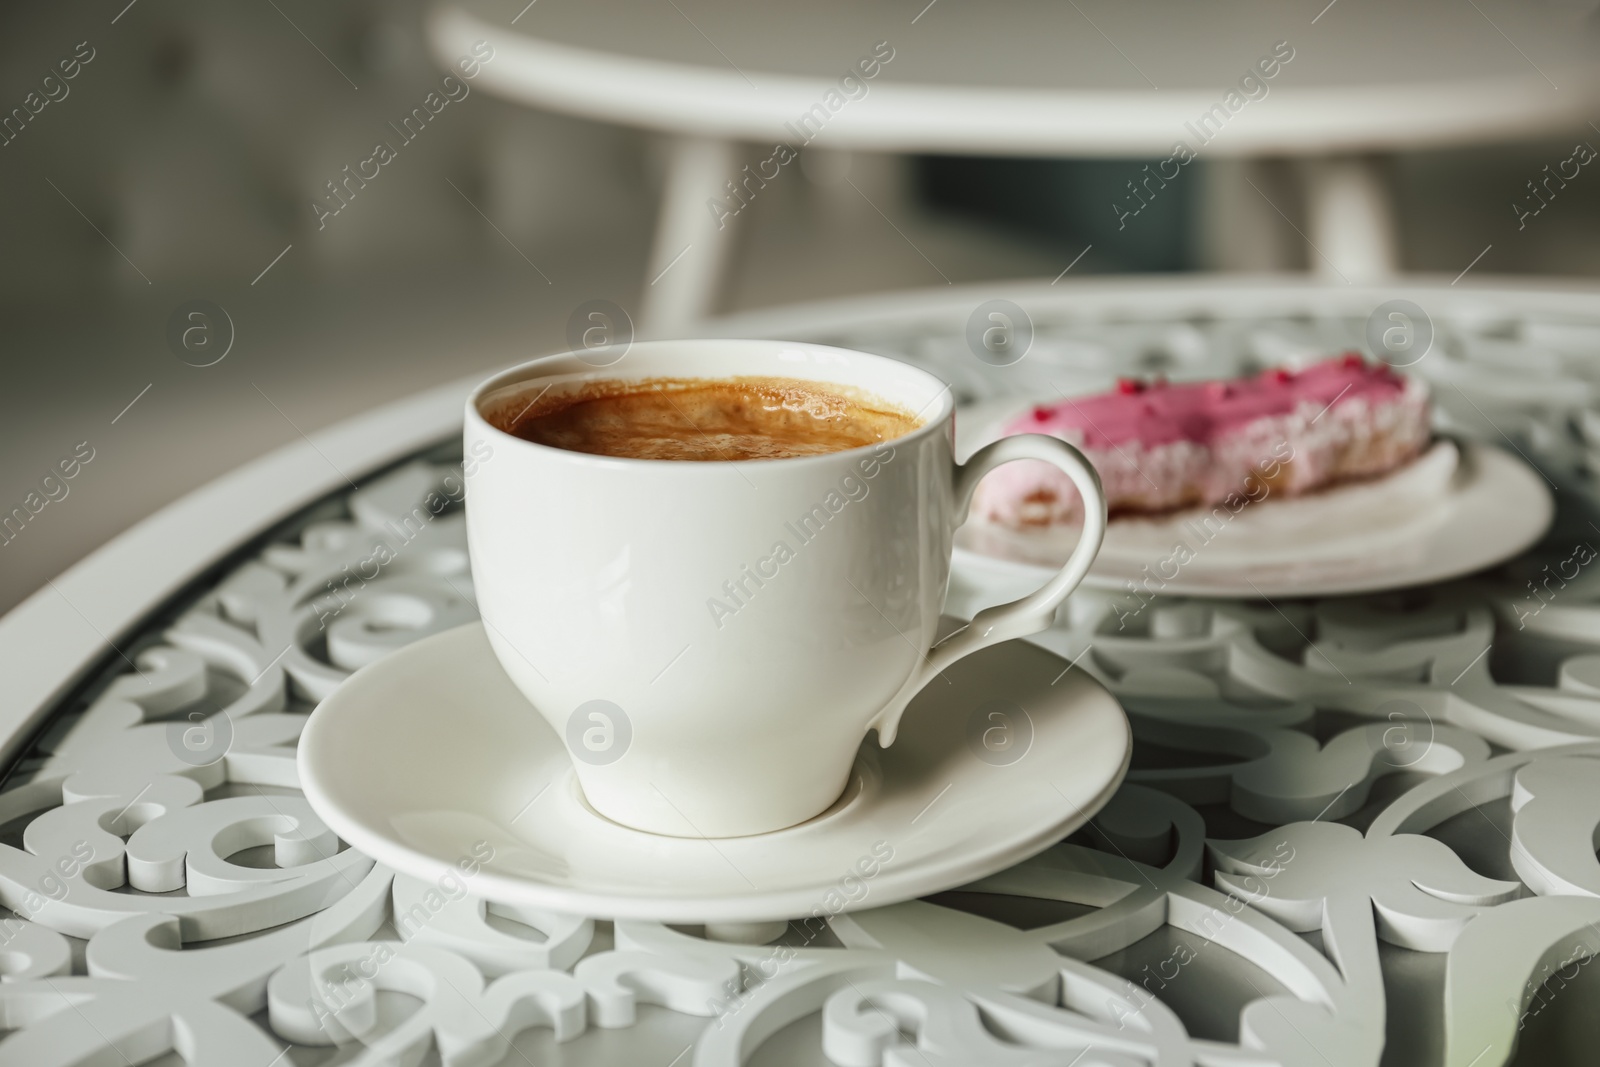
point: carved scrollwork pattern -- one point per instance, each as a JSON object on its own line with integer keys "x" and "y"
{"x": 1356, "y": 831}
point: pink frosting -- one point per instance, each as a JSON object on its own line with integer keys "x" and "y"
{"x": 1157, "y": 413}
{"x": 1159, "y": 447}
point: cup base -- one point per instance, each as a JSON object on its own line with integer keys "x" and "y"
{"x": 855, "y": 786}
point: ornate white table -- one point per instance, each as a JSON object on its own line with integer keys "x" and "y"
{"x": 1355, "y": 831}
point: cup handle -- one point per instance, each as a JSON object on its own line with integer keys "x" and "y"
{"x": 1033, "y": 612}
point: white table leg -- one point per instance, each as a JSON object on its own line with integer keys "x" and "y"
{"x": 1240, "y": 228}
{"x": 690, "y": 243}
{"x": 1350, "y": 219}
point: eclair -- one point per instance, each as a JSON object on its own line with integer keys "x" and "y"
{"x": 1161, "y": 447}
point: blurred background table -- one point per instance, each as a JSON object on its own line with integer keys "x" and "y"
{"x": 1362, "y": 81}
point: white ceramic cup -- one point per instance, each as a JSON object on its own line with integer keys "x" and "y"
{"x": 715, "y": 639}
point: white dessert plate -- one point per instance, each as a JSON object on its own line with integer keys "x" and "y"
{"x": 1459, "y": 507}
{"x": 428, "y": 755}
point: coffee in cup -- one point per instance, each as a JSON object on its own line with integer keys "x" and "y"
{"x": 725, "y": 419}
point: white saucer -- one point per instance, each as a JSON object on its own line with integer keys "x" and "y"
{"x": 1458, "y": 508}
{"x": 420, "y": 756}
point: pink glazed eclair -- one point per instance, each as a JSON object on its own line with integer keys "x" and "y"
{"x": 1161, "y": 447}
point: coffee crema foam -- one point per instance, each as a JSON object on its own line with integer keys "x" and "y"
{"x": 705, "y": 419}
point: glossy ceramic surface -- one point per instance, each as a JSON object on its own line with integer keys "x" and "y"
{"x": 715, "y": 639}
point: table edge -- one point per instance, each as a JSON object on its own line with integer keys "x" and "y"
{"x": 707, "y": 101}
{"x": 51, "y": 640}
